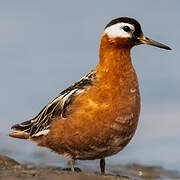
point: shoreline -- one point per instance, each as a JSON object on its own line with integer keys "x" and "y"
{"x": 13, "y": 170}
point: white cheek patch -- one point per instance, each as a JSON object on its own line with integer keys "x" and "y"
{"x": 117, "y": 30}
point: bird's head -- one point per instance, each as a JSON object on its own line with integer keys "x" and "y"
{"x": 126, "y": 32}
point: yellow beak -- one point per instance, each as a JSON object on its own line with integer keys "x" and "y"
{"x": 144, "y": 40}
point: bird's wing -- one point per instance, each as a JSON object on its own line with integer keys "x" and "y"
{"x": 56, "y": 108}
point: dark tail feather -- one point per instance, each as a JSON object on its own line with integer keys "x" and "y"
{"x": 21, "y": 130}
{"x": 24, "y": 126}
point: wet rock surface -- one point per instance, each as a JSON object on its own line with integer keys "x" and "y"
{"x": 7, "y": 162}
{"x": 12, "y": 170}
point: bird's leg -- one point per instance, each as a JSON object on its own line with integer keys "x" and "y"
{"x": 102, "y": 166}
{"x": 71, "y": 162}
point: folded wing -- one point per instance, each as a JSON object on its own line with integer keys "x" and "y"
{"x": 56, "y": 108}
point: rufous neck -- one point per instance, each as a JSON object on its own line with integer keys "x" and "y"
{"x": 113, "y": 57}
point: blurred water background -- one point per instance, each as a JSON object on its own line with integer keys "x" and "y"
{"x": 45, "y": 46}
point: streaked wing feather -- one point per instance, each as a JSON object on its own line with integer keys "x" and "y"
{"x": 56, "y": 108}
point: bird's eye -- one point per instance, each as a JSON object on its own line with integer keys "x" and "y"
{"x": 126, "y": 28}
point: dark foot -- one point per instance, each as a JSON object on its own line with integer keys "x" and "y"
{"x": 76, "y": 169}
{"x": 122, "y": 176}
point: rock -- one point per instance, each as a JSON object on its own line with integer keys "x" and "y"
{"x": 7, "y": 162}
{"x": 12, "y": 170}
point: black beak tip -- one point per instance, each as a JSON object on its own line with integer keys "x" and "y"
{"x": 168, "y": 48}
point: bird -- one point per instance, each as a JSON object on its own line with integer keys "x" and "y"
{"x": 97, "y": 116}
